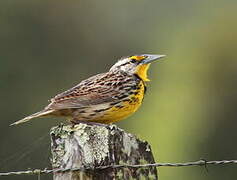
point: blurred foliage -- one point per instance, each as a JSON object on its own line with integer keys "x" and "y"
{"x": 190, "y": 109}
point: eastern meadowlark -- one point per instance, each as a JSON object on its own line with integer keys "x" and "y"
{"x": 103, "y": 98}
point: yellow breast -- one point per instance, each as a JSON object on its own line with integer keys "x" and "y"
{"x": 125, "y": 108}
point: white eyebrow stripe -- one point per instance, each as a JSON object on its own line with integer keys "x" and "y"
{"x": 122, "y": 62}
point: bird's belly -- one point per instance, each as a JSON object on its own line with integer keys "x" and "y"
{"x": 119, "y": 112}
{"x": 107, "y": 113}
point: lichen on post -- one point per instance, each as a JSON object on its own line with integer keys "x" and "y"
{"x": 91, "y": 146}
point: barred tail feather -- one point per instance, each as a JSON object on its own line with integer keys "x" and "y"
{"x": 35, "y": 115}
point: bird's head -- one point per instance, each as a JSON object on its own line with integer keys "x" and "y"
{"x": 136, "y": 64}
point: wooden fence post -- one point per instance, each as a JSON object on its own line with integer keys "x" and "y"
{"x": 91, "y": 146}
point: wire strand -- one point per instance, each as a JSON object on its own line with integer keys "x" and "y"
{"x": 193, "y": 163}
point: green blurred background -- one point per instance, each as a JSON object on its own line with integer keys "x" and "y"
{"x": 189, "y": 111}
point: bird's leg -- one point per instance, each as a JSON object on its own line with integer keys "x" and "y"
{"x": 94, "y": 123}
{"x": 75, "y": 121}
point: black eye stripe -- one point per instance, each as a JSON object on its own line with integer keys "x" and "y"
{"x": 131, "y": 61}
{"x": 125, "y": 63}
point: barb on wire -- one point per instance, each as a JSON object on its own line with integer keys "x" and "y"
{"x": 193, "y": 163}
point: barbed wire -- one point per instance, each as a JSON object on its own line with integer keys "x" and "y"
{"x": 200, "y": 162}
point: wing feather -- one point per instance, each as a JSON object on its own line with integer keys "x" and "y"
{"x": 101, "y": 88}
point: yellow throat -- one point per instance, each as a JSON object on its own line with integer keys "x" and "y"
{"x": 141, "y": 71}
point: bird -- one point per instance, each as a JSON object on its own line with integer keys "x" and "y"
{"x": 103, "y": 98}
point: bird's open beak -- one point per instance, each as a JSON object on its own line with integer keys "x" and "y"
{"x": 151, "y": 57}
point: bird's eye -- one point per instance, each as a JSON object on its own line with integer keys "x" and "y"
{"x": 133, "y": 60}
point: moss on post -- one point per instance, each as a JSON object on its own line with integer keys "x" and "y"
{"x": 90, "y": 146}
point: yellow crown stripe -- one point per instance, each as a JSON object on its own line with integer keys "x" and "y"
{"x": 138, "y": 58}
